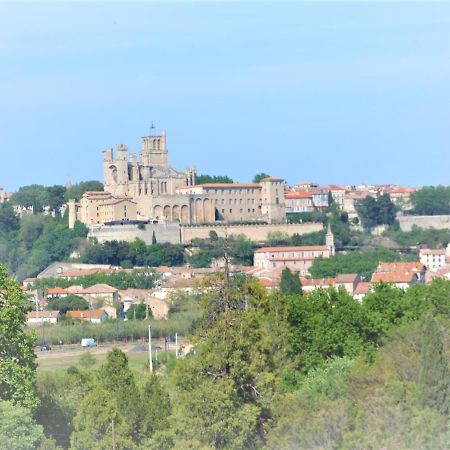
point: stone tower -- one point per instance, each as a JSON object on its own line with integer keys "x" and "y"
{"x": 329, "y": 241}
{"x": 154, "y": 150}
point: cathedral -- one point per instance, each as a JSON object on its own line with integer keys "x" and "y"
{"x": 147, "y": 188}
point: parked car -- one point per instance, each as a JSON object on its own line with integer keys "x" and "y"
{"x": 45, "y": 347}
{"x": 88, "y": 342}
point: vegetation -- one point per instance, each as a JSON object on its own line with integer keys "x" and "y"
{"x": 376, "y": 211}
{"x": 136, "y": 253}
{"x": 139, "y": 312}
{"x": 17, "y": 366}
{"x": 70, "y": 302}
{"x": 240, "y": 250}
{"x": 205, "y": 179}
{"x": 29, "y": 245}
{"x": 137, "y": 279}
{"x": 313, "y": 216}
{"x": 431, "y": 200}
{"x": 431, "y": 237}
{"x": 260, "y": 176}
{"x": 290, "y": 283}
{"x": 363, "y": 263}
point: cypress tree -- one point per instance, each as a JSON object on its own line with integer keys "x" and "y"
{"x": 290, "y": 283}
{"x": 434, "y": 374}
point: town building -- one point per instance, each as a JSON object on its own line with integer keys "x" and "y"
{"x": 89, "y": 315}
{"x": 401, "y": 274}
{"x": 40, "y": 317}
{"x": 149, "y": 189}
{"x": 297, "y": 258}
{"x": 433, "y": 258}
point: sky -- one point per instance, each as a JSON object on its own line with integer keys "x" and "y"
{"x": 341, "y": 93}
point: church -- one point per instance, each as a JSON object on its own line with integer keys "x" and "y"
{"x": 147, "y": 188}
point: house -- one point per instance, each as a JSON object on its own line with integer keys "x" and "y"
{"x": 297, "y": 258}
{"x": 414, "y": 266}
{"x": 298, "y": 202}
{"x": 91, "y": 315}
{"x": 158, "y": 306}
{"x": 311, "y": 284}
{"x": 40, "y": 317}
{"x": 400, "y": 279}
{"x": 361, "y": 290}
{"x": 338, "y": 195}
{"x": 434, "y": 259}
{"x": 104, "y": 292}
{"x": 347, "y": 281}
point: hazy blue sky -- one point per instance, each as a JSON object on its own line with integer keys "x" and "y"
{"x": 332, "y": 92}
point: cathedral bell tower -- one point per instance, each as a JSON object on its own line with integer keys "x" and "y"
{"x": 154, "y": 150}
{"x": 329, "y": 241}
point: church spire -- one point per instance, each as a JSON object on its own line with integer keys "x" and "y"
{"x": 329, "y": 241}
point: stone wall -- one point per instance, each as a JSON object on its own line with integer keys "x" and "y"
{"x": 257, "y": 233}
{"x": 438, "y": 222}
{"x": 164, "y": 232}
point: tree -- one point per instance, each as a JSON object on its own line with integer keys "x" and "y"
{"x": 17, "y": 366}
{"x": 77, "y": 190}
{"x": 87, "y": 360}
{"x": 434, "y": 374}
{"x": 139, "y": 312}
{"x": 154, "y": 241}
{"x": 376, "y": 211}
{"x": 97, "y": 414}
{"x": 9, "y": 222}
{"x": 204, "y": 179}
{"x": 18, "y": 430}
{"x": 70, "y": 302}
{"x": 290, "y": 283}
{"x": 260, "y": 176}
{"x": 431, "y": 200}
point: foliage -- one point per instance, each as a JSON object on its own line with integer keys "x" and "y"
{"x": 70, "y": 302}
{"x": 87, "y": 360}
{"x": 362, "y": 263}
{"x": 39, "y": 241}
{"x": 376, "y": 211}
{"x": 18, "y": 430}
{"x": 17, "y": 366}
{"x": 313, "y": 216}
{"x": 239, "y": 248}
{"x": 137, "y": 253}
{"x": 206, "y": 179}
{"x": 9, "y": 222}
{"x": 290, "y": 283}
{"x": 434, "y": 385}
{"x": 39, "y": 196}
{"x": 329, "y": 323}
{"x": 136, "y": 279}
{"x": 431, "y": 200}
{"x": 430, "y": 237}
{"x": 139, "y": 312}
{"x": 259, "y": 177}
{"x": 77, "y": 190}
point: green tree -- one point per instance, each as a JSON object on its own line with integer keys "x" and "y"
{"x": 97, "y": 414}
{"x": 17, "y": 366}
{"x": 434, "y": 377}
{"x": 70, "y": 302}
{"x": 87, "y": 360}
{"x": 77, "y": 190}
{"x": 139, "y": 312}
{"x": 376, "y": 211}
{"x": 431, "y": 200}
{"x": 9, "y": 222}
{"x": 260, "y": 176}
{"x": 290, "y": 283}
{"x": 205, "y": 179}
{"x": 154, "y": 241}
{"x": 18, "y": 430}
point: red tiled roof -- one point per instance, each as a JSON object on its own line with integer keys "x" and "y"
{"x": 393, "y": 277}
{"x": 415, "y": 266}
{"x": 42, "y": 314}
{"x": 87, "y": 314}
{"x": 347, "y": 278}
{"x": 298, "y": 195}
{"x": 318, "y": 282}
{"x": 292, "y": 249}
{"x": 362, "y": 288}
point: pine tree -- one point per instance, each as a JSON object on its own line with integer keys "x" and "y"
{"x": 290, "y": 283}
{"x": 434, "y": 373}
{"x": 154, "y": 241}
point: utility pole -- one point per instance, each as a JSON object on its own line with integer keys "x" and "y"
{"x": 176, "y": 345}
{"x": 113, "y": 435}
{"x": 227, "y": 270}
{"x": 150, "y": 348}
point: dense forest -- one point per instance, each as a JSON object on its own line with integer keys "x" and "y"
{"x": 279, "y": 370}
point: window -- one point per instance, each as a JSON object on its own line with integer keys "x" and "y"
{"x": 231, "y": 210}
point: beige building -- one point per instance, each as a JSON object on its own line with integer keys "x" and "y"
{"x": 434, "y": 259}
{"x": 148, "y": 188}
{"x": 298, "y": 259}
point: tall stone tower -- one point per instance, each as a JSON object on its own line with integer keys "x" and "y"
{"x": 154, "y": 150}
{"x": 329, "y": 241}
